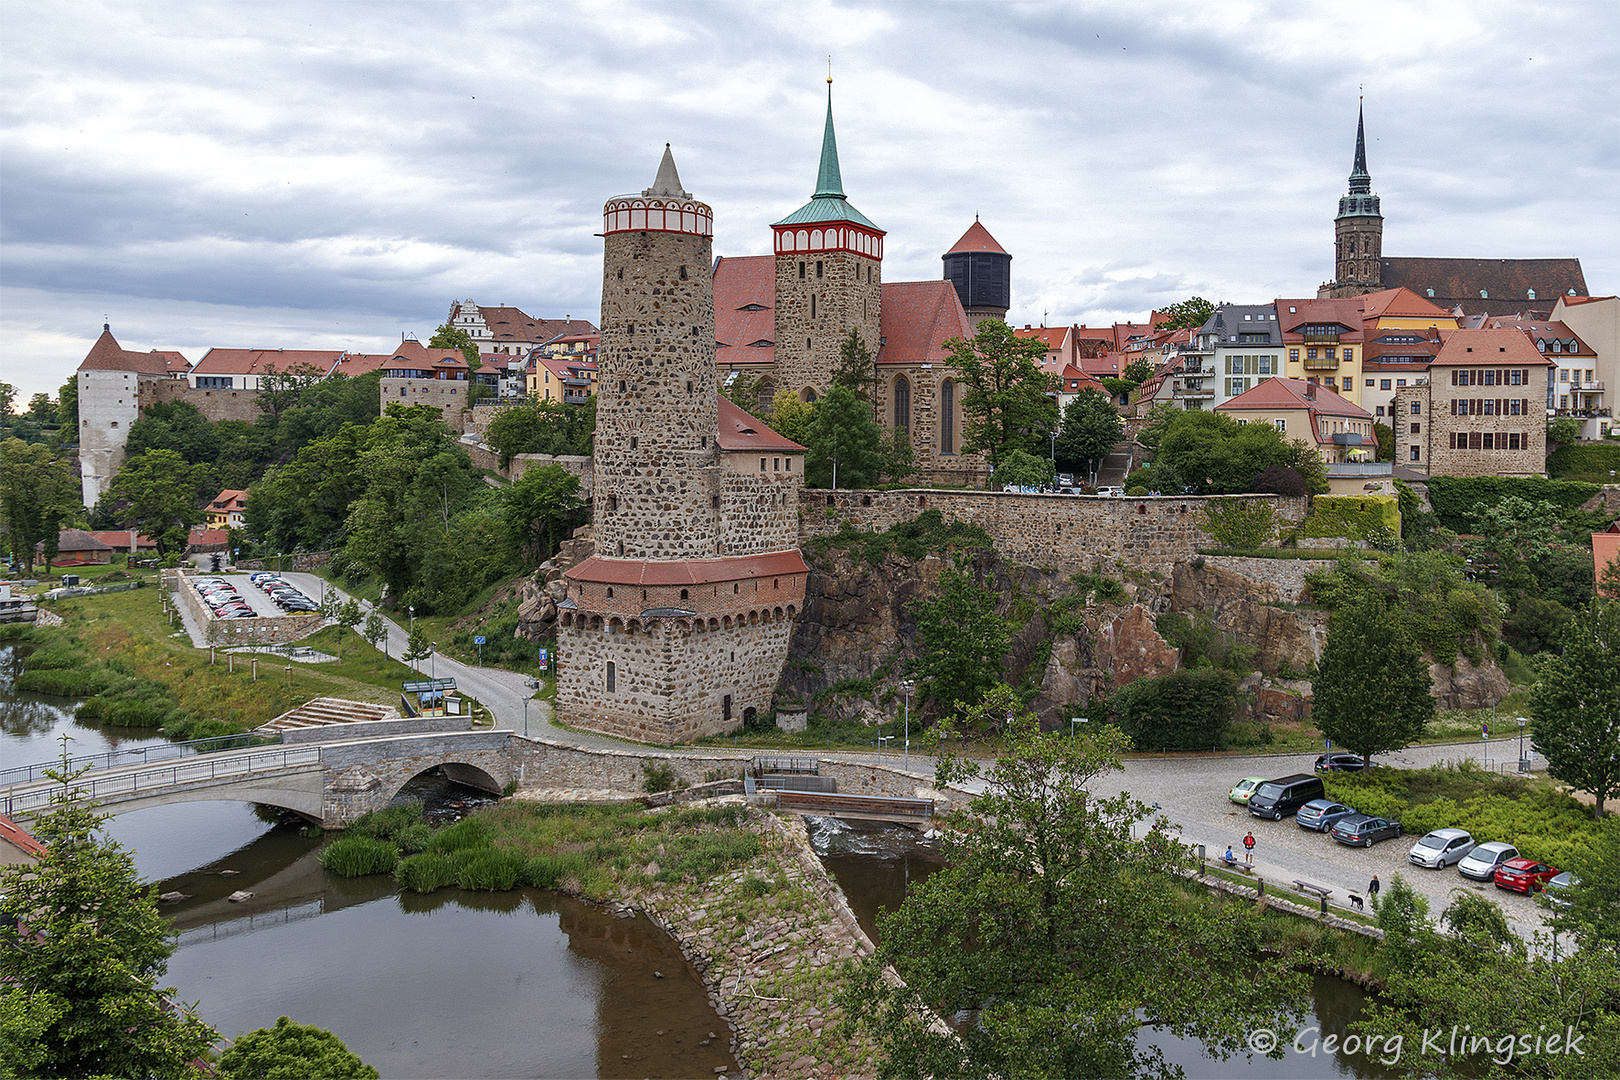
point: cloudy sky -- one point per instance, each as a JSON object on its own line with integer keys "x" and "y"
{"x": 335, "y": 174}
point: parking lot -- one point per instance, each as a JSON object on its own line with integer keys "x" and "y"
{"x": 251, "y": 594}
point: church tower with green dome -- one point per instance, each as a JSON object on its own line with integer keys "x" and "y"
{"x": 829, "y": 262}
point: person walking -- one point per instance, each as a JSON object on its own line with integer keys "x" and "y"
{"x": 1248, "y": 848}
{"x": 1372, "y": 888}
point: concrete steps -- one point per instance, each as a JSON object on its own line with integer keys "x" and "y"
{"x": 325, "y": 712}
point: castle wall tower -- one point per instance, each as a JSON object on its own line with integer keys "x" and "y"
{"x": 679, "y": 625}
{"x": 829, "y": 263}
{"x": 656, "y": 456}
{"x": 1358, "y": 230}
{"x": 981, "y": 272}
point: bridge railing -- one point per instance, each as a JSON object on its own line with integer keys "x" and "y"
{"x": 763, "y": 765}
{"x": 191, "y": 771}
{"x": 24, "y": 774}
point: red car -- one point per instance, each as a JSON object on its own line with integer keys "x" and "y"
{"x": 1524, "y": 875}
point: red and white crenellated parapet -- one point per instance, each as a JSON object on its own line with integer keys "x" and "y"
{"x": 835, "y": 237}
{"x": 644, "y": 213}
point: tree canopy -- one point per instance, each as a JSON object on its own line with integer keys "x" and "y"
{"x": 157, "y": 493}
{"x": 1091, "y": 429}
{"x": 1371, "y": 692}
{"x": 292, "y": 1051}
{"x": 1062, "y": 934}
{"x": 1576, "y": 705}
{"x": 845, "y": 443}
{"x": 1006, "y": 402}
{"x": 1216, "y": 455}
{"x": 962, "y": 641}
{"x": 541, "y": 427}
{"x": 454, "y": 337}
{"x": 38, "y": 494}
{"x": 1189, "y": 314}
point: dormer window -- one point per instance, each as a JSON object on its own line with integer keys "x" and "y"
{"x": 1530, "y": 294}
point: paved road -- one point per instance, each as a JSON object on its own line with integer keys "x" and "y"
{"x": 1191, "y": 791}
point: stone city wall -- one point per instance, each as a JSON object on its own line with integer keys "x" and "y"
{"x": 449, "y": 396}
{"x": 1067, "y": 532}
{"x": 578, "y": 464}
{"x": 759, "y": 502}
{"x": 216, "y": 405}
{"x": 302, "y": 561}
{"x": 1288, "y": 575}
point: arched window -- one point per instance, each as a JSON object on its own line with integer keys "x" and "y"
{"x": 947, "y": 417}
{"x": 902, "y": 403}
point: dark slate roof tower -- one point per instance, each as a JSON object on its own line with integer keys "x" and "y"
{"x": 1359, "y": 228}
{"x": 829, "y": 261}
{"x": 981, "y": 271}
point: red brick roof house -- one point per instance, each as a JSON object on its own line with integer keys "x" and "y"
{"x": 127, "y": 540}
{"x": 245, "y": 369}
{"x": 75, "y": 547}
{"x": 745, "y": 310}
{"x": 1335, "y": 427}
{"x": 225, "y": 510}
{"x": 17, "y": 845}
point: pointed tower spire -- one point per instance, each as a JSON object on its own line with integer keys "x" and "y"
{"x": 829, "y": 184}
{"x": 668, "y": 182}
{"x": 1360, "y": 179}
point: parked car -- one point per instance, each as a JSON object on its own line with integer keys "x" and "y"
{"x": 1441, "y": 848}
{"x": 1321, "y": 814}
{"x": 1481, "y": 864}
{"x": 1244, "y": 788}
{"x": 1558, "y": 884}
{"x": 1276, "y": 798}
{"x": 1340, "y": 763}
{"x": 1364, "y": 830}
{"x": 1065, "y": 479}
{"x": 240, "y": 613}
{"x": 1524, "y": 875}
{"x": 1114, "y": 492}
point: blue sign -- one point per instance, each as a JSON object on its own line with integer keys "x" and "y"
{"x": 542, "y": 659}
{"x": 478, "y": 641}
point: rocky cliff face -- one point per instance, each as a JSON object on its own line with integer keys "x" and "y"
{"x": 537, "y": 612}
{"x": 1283, "y": 639}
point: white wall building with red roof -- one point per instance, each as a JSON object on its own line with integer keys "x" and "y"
{"x": 111, "y": 382}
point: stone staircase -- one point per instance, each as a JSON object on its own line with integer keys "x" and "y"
{"x": 326, "y": 712}
{"x": 1118, "y": 464}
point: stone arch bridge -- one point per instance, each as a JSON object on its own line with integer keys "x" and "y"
{"x": 330, "y": 782}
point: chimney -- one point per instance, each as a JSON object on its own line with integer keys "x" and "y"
{"x": 1310, "y": 391}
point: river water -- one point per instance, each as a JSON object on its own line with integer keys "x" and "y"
{"x": 521, "y": 984}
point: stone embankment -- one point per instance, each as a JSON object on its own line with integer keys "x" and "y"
{"x": 772, "y": 942}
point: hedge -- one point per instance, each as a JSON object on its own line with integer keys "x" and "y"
{"x": 1185, "y": 710}
{"x": 1457, "y": 498}
{"x": 1584, "y": 459}
{"x": 1352, "y": 516}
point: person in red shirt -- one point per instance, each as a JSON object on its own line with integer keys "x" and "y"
{"x": 1248, "y": 848}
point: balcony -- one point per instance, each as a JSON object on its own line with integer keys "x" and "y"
{"x": 1191, "y": 393}
{"x": 1351, "y": 438}
{"x": 1321, "y": 337}
{"x": 1585, "y": 387}
{"x": 1320, "y": 363}
{"x": 1583, "y": 413}
{"x": 575, "y": 397}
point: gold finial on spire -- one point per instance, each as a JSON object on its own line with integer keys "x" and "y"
{"x": 829, "y": 69}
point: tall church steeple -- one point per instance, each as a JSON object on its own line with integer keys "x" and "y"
{"x": 829, "y": 258}
{"x": 1359, "y": 228}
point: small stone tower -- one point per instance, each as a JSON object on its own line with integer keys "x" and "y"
{"x": 655, "y": 453}
{"x": 981, "y": 271}
{"x": 1358, "y": 230}
{"x": 829, "y": 262}
{"x": 679, "y": 625}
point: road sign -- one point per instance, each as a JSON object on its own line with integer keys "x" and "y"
{"x": 478, "y": 640}
{"x": 542, "y": 659}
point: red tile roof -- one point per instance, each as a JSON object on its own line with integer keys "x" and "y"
{"x": 1291, "y": 394}
{"x": 1074, "y": 374}
{"x": 200, "y": 539}
{"x": 1345, "y": 312}
{"x": 107, "y": 355}
{"x": 70, "y": 540}
{"x": 353, "y": 364}
{"x": 118, "y": 539}
{"x": 975, "y": 240}
{"x": 1400, "y": 303}
{"x": 20, "y": 838}
{"x": 229, "y": 499}
{"x": 1055, "y": 337}
{"x": 1542, "y": 330}
{"x": 513, "y": 324}
{"x": 1503, "y": 282}
{"x": 260, "y": 361}
{"x": 686, "y": 571}
{"x": 918, "y": 318}
{"x": 744, "y": 336}
{"x": 1486, "y": 348}
{"x": 1105, "y": 366}
{"x": 739, "y": 431}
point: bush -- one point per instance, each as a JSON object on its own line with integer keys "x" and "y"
{"x": 464, "y": 834}
{"x": 1457, "y": 500}
{"x": 491, "y": 871}
{"x": 388, "y": 823}
{"x": 1280, "y": 480}
{"x": 659, "y": 776}
{"x": 65, "y": 683}
{"x": 550, "y": 871}
{"x": 415, "y": 838}
{"x": 1590, "y": 462}
{"x": 1181, "y": 711}
{"x": 356, "y": 856}
{"x": 292, "y": 1051}
{"x": 1203, "y": 644}
{"x": 426, "y": 872}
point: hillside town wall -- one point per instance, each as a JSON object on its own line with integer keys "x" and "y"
{"x": 759, "y": 503}
{"x": 215, "y": 405}
{"x": 1288, "y": 575}
{"x": 1066, "y": 532}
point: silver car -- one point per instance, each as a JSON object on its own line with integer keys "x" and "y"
{"x": 1441, "y": 848}
{"x": 1482, "y": 863}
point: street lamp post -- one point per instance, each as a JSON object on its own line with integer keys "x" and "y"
{"x": 526, "y": 717}
{"x": 1522, "y": 722}
{"x": 412, "y": 609}
{"x": 433, "y": 660}
{"x": 906, "y": 686}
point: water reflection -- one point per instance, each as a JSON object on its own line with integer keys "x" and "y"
{"x": 31, "y": 724}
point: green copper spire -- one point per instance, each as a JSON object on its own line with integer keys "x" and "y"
{"x": 1360, "y": 180}
{"x": 829, "y": 184}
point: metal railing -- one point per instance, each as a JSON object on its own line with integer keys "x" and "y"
{"x": 25, "y": 774}
{"x": 193, "y": 771}
{"x": 762, "y": 765}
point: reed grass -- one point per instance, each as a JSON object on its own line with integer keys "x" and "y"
{"x": 426, "y": 872}
{"x": 356, "y": 856}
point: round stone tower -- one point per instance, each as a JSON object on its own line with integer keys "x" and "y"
{"x": 656, "y": 453}
{"x": 981, "y": 272}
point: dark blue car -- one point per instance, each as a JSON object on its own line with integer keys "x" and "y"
{"x": 1320, "y": 814}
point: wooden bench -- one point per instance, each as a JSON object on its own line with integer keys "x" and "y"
{"x": 1319, "y": 891}
{"x": 1235, "y": 864}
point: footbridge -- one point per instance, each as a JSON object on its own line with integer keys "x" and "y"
{"x": 332, "y": 782}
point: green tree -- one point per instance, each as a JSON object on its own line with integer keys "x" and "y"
{"x": 743, "y": 390}
{"x": 1063, "y": 934}
{"x": 1576, "y": 705}
{"x": 1091, "y": 429}
{"x": 1592, "y": 902}
{"x": 962, "y": 641}
{"x": 1240, "y": 523}
{"x": 376, "y": 632}
{"x": 1156, "y": 424}
{"x": 1403, "y": 916}
{"x": 856, "y": 368}
{"x": 1138, "y": 371}
{"x": 1005, "y": 395}
{"x": 292, "y": 1051}
{"x": 1189, "y": 314}
{"x": 1564, "y": 431}
{"x": 846, "y": 444}
{"x": 540, "y": 427}
{"x": 8, "y": 398}
{"x": 790, "y": 416}
{"x": 1386, "y": 441}
{"x": 83, "y": 967}
{"x": 348, "y": 617}
{"x": 539, "y": 510}
{"x": 37, "y": 494}
{"x": 177, "y": 426}
{"x": 1184, "y": 710}
{"x": 158, "y": 494}
{"x": 280, "y": 390}
{"x": 899, "y": 456}
{"x": 417, "y": 647}
{"x": 1371, "y": 692}
{"x": 453, "y": 337}
{"x": 1480, "y": 924}
{"x": 1021, "y": 469}
{"x": 1217, "y": 455}
{"x": 67, "y": 408}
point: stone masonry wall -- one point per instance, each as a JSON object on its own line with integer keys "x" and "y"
{"x": 1066, "y": 532}
{"x": 844, "y": 299}
{"x": 671, "y": 683}
{"x": 362, "y": 777}
{"x": 1287, "y": 574}
{"x": 927, "y": 397}
{"x": 759, "y": 507}
{"x": 1517, "y": 410}
{"x": 216, "y": 405}
{"x": 449, "y": 396}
